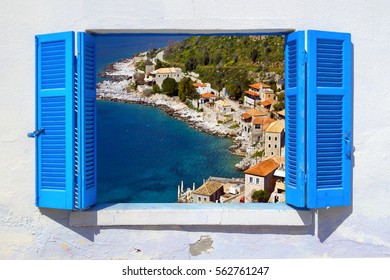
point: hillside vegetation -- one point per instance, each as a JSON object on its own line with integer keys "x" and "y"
{"x": 229, "y": 61}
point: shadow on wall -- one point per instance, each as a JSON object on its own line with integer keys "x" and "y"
{"x": 62, "y": 217}
{"x": 330, "y": 219}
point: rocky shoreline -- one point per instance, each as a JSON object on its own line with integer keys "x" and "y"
{"x": 172, "y": 108}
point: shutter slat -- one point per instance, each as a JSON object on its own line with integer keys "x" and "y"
{"x": 295, "y": 120}
{"x": 87, "y": 120}
{"x": 328, "y": 119}
{"x": 54, "y": 111}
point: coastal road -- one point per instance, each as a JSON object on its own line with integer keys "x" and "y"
{"x": 159, "y": 56}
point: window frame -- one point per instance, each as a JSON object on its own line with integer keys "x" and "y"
{"x": 75, "y": 215}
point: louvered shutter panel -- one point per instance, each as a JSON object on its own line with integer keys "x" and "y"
{"x": 329, "y": 119}
{"x": 55, "y": 115}
{"x": 294, "y": 55}
{"x": 86, "y": 190}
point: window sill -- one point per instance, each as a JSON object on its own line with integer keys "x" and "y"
{"x": 126, "y": 214}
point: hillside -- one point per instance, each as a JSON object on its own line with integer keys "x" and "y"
{"x": 229, "y": 61}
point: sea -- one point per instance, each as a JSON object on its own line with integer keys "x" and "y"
{"x": 143, "y": 154}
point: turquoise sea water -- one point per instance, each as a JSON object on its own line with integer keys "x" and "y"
{"x": 143, "y": 154}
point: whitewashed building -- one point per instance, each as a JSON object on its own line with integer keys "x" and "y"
{"x": 161, "y": 74}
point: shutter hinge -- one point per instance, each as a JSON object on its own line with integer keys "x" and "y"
{"x": 305, "y": 178}
{"x": 35, "y": 133}
{"x": 305, "y": 57}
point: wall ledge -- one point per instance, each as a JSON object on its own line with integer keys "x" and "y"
{"x": 130, "y": 214}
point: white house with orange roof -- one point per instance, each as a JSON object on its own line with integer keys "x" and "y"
{"x": 260, "y": 177}
{"x": 274, "y": 139}
{"x": 206, "y": 98}
{"x": 257, "y": 93}
{"x": 202, "y": 87}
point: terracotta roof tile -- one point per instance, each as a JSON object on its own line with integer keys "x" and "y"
{"x": 261, "y": 120}
{"x": 199, "y": 85}
{"x": 268, "y": 102}
{"x": 263, "y": 168}
{"x": 254, "y": 112}
{"x": 250, "y": 92}
{"x": 259, "y": 85}
{"x": 246, "y": 116}
{"x": 207, "y": 95}
{"x": 276, "y": 127}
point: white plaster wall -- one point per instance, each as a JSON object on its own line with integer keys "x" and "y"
{"x": 362, "y": 230}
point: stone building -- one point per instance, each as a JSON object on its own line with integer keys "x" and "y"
{"x": 274, "y": 139}
{"x": 210, "y": 191}
{"x": 161, "y": 74}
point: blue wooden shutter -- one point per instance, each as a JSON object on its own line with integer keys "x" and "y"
{"x": 56, "y": 118}
{"x": 329, "y": 119}
{"x": 86, "y": 190}
{"x": 294, "y": 55}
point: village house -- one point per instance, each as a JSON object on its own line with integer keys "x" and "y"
{"x": 206, "y": 98}
{"x": 281, "y": 114}
{"x": 217, "y": 111}
{"x": 279, "y": 193}
{"x": 246, "y": 121}
{"x": 161, "y": 74}
{"x": 274, "y": 139}
{"x": 223, "y": 107}
{"x": 259, "y": 125}
{"x": 257, "y": 93}
{"x": 210, "y": 191}
{"x": 203, "y": 88}
{"x": 268, "y": 104}
{"x": 260, "y": 177}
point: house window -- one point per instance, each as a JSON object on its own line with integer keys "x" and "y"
{"x": 276, "y": 138}
{"x": 251, "y": 180}
{"x": 257, "y": 126}
{"x": 269, "y": 138}
{"x": 330, "y": 92}
{"x": 257, "y": 181}
{"x": 276, "y": 146}
{"x": 269, "y": 145}
{"x": 199, "y": 198}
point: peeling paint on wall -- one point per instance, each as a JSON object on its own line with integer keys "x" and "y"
{"x": 203, "y": 245}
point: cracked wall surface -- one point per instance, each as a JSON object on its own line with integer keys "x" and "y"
{"x": 362, "y": 230}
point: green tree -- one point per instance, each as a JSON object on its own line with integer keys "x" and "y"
{"x": 234, "y": 91}
{"x": 254, "y": 55}
{"x": 169, "y": 87}
{"x": 272, "y": 84}
{"x": 156, "y": 88}
{"x": 206, "y": 57}
{"x": 159, "y": 64}
{"x": 260, "y": 196}
{"x": 280, "y": 104}
{"x": 191, "y": 64}
{"x": 186, "y": 89}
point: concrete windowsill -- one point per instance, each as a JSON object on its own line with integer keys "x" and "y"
{"x": 127, "y": 214}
